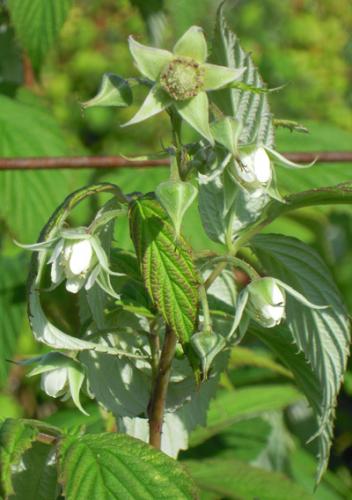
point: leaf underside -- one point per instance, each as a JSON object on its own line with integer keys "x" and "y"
{"x": 249, "y": 108}
{"x": 322, "y": 336}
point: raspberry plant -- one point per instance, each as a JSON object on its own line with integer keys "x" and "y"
{"x": 157, "y": 325}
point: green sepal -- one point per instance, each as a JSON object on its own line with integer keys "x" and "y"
{"x": 226, "y": 132}
{"x": 114, "y": 91}
{"x": 207, "y": 345}
{"x": 176, "y": 197}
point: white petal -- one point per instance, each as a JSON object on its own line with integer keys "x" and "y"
{"x": 53, "y": 382}
{"x": 73, "y": 285}
{"x": 81, "y": 257}
{"x": 262, "y": 165}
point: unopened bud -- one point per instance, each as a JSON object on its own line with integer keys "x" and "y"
{"x": 266, "y": 302}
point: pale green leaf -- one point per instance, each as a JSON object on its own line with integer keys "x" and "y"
{"x": 251, "y": 109}
{"x": 167, "y": 267}
{"x": 114, "y": 91}
{"x": 322, "y": 335}
{"x": 37, "y": 24}
{"x": 118, "y": 466}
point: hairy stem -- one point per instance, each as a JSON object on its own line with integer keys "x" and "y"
{"x": 157, "y": 401}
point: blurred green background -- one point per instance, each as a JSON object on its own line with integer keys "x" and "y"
{"x": 303, "y": 45}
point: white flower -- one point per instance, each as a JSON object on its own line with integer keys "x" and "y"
{"x": 54, "y": 382}
{"x": 253, "y": 170}
{"x": 73, "y": 260}
{"x": 266, "y": 302}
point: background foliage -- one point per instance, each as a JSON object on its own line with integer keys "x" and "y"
{"x": 305, "y": 45}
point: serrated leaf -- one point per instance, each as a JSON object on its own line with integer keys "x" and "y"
{"x": 15, "y": 439}
{"x": 322, "y": 335}
{"x": 234, "y": 479}
{"x": 12, "y": 308}
{"x": 37, "y": 24}
{"x": 114, "y": 91}
{"x": 251, "y": 109}
{"x": 167, "y": 267}
{"x": 119, "y": 466}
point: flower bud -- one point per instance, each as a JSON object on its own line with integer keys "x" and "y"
{"x": 253, "y": 170}
{"x": 55, "y": 382}
{"x": 266, "y": 302}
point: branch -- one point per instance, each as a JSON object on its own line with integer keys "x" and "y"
{"x": 158, "y": 398}
{"x": 74, "y": 162}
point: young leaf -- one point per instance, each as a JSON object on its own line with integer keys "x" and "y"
{"x": 250, "y": 108}
{"x": 114, "y": 91}
{"x": 119, "y": 466}
{"x": 37, "y": 24}
{"x": 15, "y": 439}
{"x": 167, "y": 267}
{"x": 322, "y": 334}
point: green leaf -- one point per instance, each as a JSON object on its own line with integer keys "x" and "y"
{"x": 322, "y": 335}
{"x": 233, "y": 406}
{"x": 251, "y": 109}
{"x": 167, "y": 267}
{"x": 36, "y": 478}
{"x": 12, "y": 308}
{"x": 234, "y": 479}
{"x": 118, "y": 466}
{"x": 114, "y": 91}
{"x": 15, "y": 439}
{"x": 37, "y": 24}
{"x": 11, "y": 66}
{"x": 28, "y": 196}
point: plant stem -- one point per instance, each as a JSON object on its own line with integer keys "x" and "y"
{"x": 158, "y": 397}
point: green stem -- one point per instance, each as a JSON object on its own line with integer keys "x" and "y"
{"x": 205, "y": 307}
